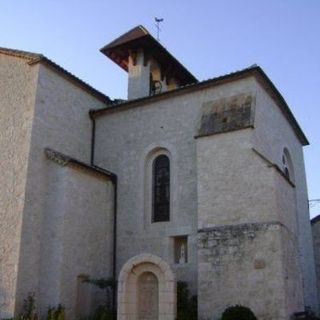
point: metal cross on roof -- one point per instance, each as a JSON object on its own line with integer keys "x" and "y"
{"x": 158, "y": 21}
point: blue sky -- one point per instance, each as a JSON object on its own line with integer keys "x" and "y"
{"x": 209, "y": 37}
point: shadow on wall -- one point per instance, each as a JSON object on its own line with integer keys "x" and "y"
{"x": 4, "y": 302}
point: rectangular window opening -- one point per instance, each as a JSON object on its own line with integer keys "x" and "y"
{"x": 180, "y": 249}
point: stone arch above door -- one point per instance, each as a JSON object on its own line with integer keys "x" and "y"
{"x": 129, "y": 275}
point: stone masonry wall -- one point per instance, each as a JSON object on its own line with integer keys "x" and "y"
{"x": 61, "y": 122}
{"x": 272, "y": 134}
{"x": 237, "y": 185}
{"x": 77, "y": 235}
{"x": 227, "y": 114}
{"x": 234, "y": 184}
{"x": 126, "y": 143}
{"x": 241, "y": 264}
{"x": 17, "y": 92}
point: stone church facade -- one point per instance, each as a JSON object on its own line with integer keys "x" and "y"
{"x": 201, "y": 182}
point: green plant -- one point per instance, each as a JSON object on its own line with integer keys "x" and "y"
{"x": 187, "y": 306}
{"x": 102, "y": 283}
{"x": 56, "y": 313}
{"x": 310, "y": 315}
{"x": 29, "y": 308}
{"x": 238, "y": 312}
{"x": 104, "y": 311}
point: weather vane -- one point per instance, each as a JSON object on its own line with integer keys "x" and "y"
{"x": 158, "y": 20}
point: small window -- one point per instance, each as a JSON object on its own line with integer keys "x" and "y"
{"x": 161, "y": 189}
{"x": 287, "y": 166}
{"x": 181, "y": 250}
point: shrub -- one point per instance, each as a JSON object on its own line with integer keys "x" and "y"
{"x": 104, "y": 311}
{"x": 187, "y": 306}
{"x": 310, "y": 315}
{"x": 56, "y": 313}
{"x": 238, "y": 312}
{"x": 29, "y": 308}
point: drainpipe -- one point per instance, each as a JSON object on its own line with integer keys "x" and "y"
{"x": 114, "y": 260}
{"x": 93, "y": 137}
{"x": 114, "y": 180}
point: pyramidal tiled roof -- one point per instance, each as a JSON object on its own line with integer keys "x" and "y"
{"x": 140, "y": 38}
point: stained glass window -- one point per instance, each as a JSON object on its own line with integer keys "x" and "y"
{"x": 161, "y": 189}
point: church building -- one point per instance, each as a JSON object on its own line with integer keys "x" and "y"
{"x": 186, "y": 180}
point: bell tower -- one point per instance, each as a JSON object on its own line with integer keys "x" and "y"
{"x": 151, "y": 68}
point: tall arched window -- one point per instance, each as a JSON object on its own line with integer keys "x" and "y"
{"x": 161, "y": 189}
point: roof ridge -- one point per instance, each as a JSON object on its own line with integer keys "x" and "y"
{"x": 251, "y": 67}
{"x": 34, "y": 58}
{"x": 21, "y": 53}
{"x": 140, "y": 27}
{"x": 144, "y": 29}
{"x": 315, "y": 219}
{"x": 253, "y": 70}
{"x": 118, "y": 102}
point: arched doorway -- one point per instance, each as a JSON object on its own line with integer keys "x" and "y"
{"x": 146, "y": 289}
{"x": 148, "y": 296}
